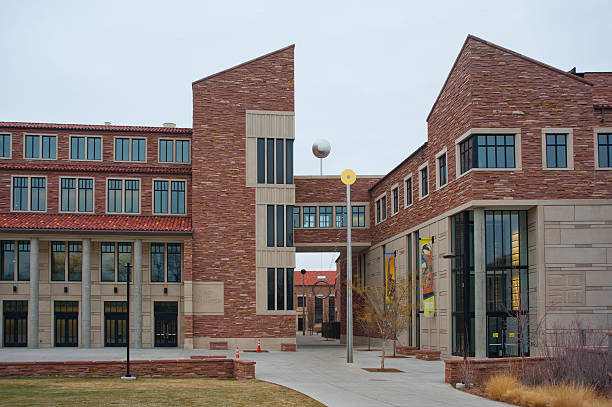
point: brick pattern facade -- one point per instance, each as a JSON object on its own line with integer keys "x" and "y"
{"x": 482, "y": 369}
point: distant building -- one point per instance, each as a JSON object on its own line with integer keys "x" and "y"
{"x": 317, "y": 310}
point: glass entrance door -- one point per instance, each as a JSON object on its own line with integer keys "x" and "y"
{"x": 166, "y": 315}
{"x": 66, "y": 323}
{"x": 15, "y": 321}
{"x": 115, "y": 323}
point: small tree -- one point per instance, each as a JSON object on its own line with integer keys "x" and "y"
{"x": 389, "y": 315}
{"x": 364, "y": 319}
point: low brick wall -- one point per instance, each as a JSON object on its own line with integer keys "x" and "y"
{"x": 427, "y": 354}
{"x": 288, "y": 347}
{"x": 217, "y": 345}
{"x": 482, "y": 369}
{"x": 210, "y": 367}
{"x": 406, "y": 350}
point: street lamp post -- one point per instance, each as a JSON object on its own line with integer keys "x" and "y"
{"x": 348, "y": 177}
{"x": 303, "y": 271}
{"x": 128, "y": 376}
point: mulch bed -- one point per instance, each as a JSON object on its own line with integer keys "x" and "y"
{"x": 369, "y": 350}
{"x": 385, "y": 370}
{"x": 328, "y": 340}
{"x": 396, "y": 357}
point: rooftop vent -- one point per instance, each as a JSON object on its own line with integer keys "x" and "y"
{"x": 169, "y": 125}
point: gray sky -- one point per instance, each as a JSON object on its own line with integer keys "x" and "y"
{"x": 366, "y": 73}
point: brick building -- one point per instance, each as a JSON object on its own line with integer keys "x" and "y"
{"x": 513, "y": 186}
{"x": 307, "y": 288}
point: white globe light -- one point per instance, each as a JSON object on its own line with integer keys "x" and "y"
{"x": 321, "y": 148}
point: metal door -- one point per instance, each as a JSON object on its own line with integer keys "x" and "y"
{"x": 166, "y": 316}
{"x": 66, "y": 323}
{"x": 115, "y": 323}
{"x": 15, "y": 321}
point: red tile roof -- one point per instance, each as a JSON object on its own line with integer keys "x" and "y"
{"x": 96, "y": 127}
{"x": 312, "y": 276}
{"x": 78, "y": 222}
{"x": 33, "y": 166}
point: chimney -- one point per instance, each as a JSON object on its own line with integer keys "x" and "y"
{"x": 169, "y": 125}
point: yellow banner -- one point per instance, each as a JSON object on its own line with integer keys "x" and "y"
{"x": 427, "y": 277}
{"x": 429, "y": 307}
{"x": 389, "y": 277}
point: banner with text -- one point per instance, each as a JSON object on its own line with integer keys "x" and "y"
{"x": 427, "y": 277}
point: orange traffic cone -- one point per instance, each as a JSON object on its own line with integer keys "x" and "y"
{"x": 237, "y": 353}
{"x": 259, "y": 345}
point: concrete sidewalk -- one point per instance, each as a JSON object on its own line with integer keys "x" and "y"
{"x": 318, "y": 369}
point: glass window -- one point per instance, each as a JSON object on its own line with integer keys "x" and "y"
{"x": 381, "y": 209}
{"x": 556, "y": 151}
{"x": 20, "y": 193}
{"x": 465, "y": 154}
{"x": 77, "y": 148}
{"x": 340, "y": 216}
{"x": 271, "y": 290}
{"x": 178, "y": 197}
{"x": 261, "y": 160}
{"x": 310, "y": 213}
{"x": 182, "y": 151}
{"x": 358, "y": 213}
{"x": 75, "y": 261}
{"x": 280, "y": 165}
{"x": 270, "y": 226}
{"x": 325, "y": 216}
{"x": 132, "y": 196}
{"x": 94, "y": 148}
{"x": 125, "y": 256}
{"x": 157, "y": 262}
{"x": 5, "y": 145}
{"x": 8, "y": 260}
{"x": 296, "y": 216}
{"x": 115, "y": 201}
{"x": 289, "y": 161}
{"x": 85, "y": 195}
{"x": 32, "y": 146}
{"x": 122, "y": 149}
{"x": 289, "y": 289}
{"x": 108, "y": 261}
{"x": 68, "y": 195}
{"x": 280, "y": 289}
{"x": 270, "y": 160}
{"x": 160, "y": 196}
{"x": 289, "y": 230}
{"x": 38, "y": 193}
{"x": 495, "y": 151}
{"x": 604, "y": 150}
{"x": 166, "y": 151}
{"x": 300, "y": 301}
{"x": 424, "y": 182}
{"x": 48, "y": 147}
{"x": 442, "y": 169}
{"x": 408, "y": 191}
{"x": 280, "y": 225}
{"x": 138, "y": 149}
{"x": 58, "y": 261}
{"x": 23, "y": 273}
{"x": 174, "y": 262}
{"x": 395, "y": 197}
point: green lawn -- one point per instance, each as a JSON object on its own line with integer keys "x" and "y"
{"x": 147, "y": 392}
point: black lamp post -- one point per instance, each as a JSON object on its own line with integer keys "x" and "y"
{"x": 128, "y": 376}
{"x": 303, "y": 271}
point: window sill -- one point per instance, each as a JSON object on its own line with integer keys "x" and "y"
{"x": 423, "y": 197}
{"x": 603, "y": 168}
{"x": 556, "y": 169}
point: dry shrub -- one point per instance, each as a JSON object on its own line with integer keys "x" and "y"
{"x": 497, "y": 386}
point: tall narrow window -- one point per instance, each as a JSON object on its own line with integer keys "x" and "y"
{"x": 108, "y": 261}
{"x": 556, "y": 151}
{"x": 604, "y": 150}
{"x": 32, "y": 146}
{"x": 424, "y": 182}
{"x": 8, "y": 260}
{"x": 5, "y": 145}
{"x": 48, "y": 147}
{"x": 77, "y": 148}
{"x": 182, "y": 151}
{"x": 157, "y": 262}
{"x": 94, "y": 148}
{"x": 20, "y": 193}
{"x": 280, "y": 226}
{"x": 132, "y": 196}
{"x": 289, "y": 286}
{"x": 270, "y": 226}
{"x": 325, "y": 216}
{"x": 115, "y": 201}
{"x": 280, "y": 173}
{"x": 166, "y": 151}
{"x": 270, "y": 160}
{"x": 75, "y": 261}
{"x": 125, "y": 256}
{"x": 296, "y": 216}
{"x": 289, "y": 161}
{"x": 395, "y": 200}
{"x": 442, "y": 176}
{"x": 160, "y": 196}
{"x": 58, "y": 261}
{"x": 310, "y": 213}
{"x": 38, "y": 194}
{"x": 408, "y": 191}
{"x": 68, "y": 194}
{"x": 23, "y": 273}
{"x": 280, "y": 288}
{"x": 358, "y": 215}
{"x": 122, "y": 149}
{"x": 381, "y": 209}
{"x": 271, "y": 289}
{"x": 174, "y": 262}
{"x": 178, "y": 197}
{"x": 138, "y": 149}
{"x": 466, "y": 155}
{"x": 261, "y": 160}
{"x": 289, "y": 225}
{"x": 340, "y": 216}
{"x": 85, "y": 195}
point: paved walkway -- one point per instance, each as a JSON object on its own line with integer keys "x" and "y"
{"x": 318, "y": 369}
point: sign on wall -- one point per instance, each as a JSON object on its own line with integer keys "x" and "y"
{"x": 389, "y": 277}
{"x": 427, "y": 277}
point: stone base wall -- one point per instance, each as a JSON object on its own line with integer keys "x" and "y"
{"x": 481, "y": 369}
{"x": 222, "y": 367}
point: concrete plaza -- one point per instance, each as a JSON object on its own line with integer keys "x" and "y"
{"x": 318, "y": 369}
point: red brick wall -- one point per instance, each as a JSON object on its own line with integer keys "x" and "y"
{"x": 222, "y": 367}
{"x": 602, "y": 89}
{"x": 224, "y": 215}
{"x": 482, "y": 369}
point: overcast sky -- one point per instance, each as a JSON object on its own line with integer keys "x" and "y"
{"x": 366, "y": 73}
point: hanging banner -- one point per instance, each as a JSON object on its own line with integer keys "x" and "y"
{"x": 389, "y": 277}
{"x": 427, "y": 277}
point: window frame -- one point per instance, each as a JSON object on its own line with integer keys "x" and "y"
{"x": 406, "y": 178}
{"x": 40, "y": 144}
{"x": 309, "y": 214}
{"x": 10, "y": 155}
{"x": 596, "y": 132}
{"x": 174, "y": 140}
{"x": 93, "y": 195}
{"x": 169, "y": 181}
{"x": 130, "y": 138}
{"x": 86, "y": 147}
{"x": 288, "y": 284}
{"x": 379, "y": 198}
{"x": 423, "y": 166}
{"x": 15, "y": 261}
{"x": 330, "y": 214}
{"x": 123, "y": 196}
{"x": 366, "y": 219}
{"x": 569, "y": 147}
{"x": 395, "y": 188}
{"x": 29, "y": 193}
{"x": 116, "y": 254}
{"x": 518, "y": 166}
{"x": 441, "y": 154}
{"x": 66, "y": 260}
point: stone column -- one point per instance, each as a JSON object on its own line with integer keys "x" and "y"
{"x": 137, "y": 299}
{"x": 480, "y": 288}
{"x": 33, "y": 304}
{"x": 86, "y": 295}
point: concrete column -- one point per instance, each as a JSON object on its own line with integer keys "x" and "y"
{"x": 480, "y": 288}
{"x": 86, "y": 295}
{"x": 33, "y": 304}
{"x": 137, "y": 299}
